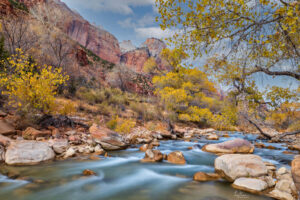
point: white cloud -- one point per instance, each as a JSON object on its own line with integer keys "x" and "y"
{"x": 146, "y": 20}
{"x": 156, "y": 32}
{"x": 116, "y": 6}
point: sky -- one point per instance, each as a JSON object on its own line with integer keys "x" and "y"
{"x": 135, "y": 20}
{"x": 126, "y": 19}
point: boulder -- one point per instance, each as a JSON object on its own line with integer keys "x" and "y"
{"x": 88, "y": 172}
{"x": 152, "y": 156}
{"x": 145, "y": 147}
{"x": 232, "y": 146}
{"x": 250, "y": 185}
{"x": 4, "y": 141}
{"x": 277, "y": 194}
{"x": 28, "y": 153}
{"x": 70, "y": 152}
{"x": 31, "y": 133}
{"x": 6, "y": 128}
{"x": 212, "y": 137}
{"x": 294, "y": 147}
{"x": 60, "y": 145}
{"x": 233, "y": 166}
{"x": 176, "y": 157}
{"x": 201, "y": 176}
{"x": 98, "y": 149}
{"x": 140, "y": 135}
{"x": 108, "y": 139}
{"x": 296, "y": 172}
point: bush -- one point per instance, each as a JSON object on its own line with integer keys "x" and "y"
{"x": 30, "y": 87}
{"x": 67, "y": 109}
{"x": 121, "y": 125}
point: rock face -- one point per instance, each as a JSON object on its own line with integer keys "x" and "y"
{"x": 250, "y": 184}
{"x": 155, "y": 46}
{"x": 176, "y": 158}
{"x": 101, "y": 42}
{"x": 232, "y": 146}
{"x": 296, "y": 172}
{"x": 152, "y": 156}
{"x": 28, "y": 153}
{"x": 108, "y": 139}
{"x": 201, "y": 176}
{"x": 135, "y": 59}
{"x": 233, "y": 166}
{"x": 126, "y": 46}
{"x": 5, "y": 7}
{"x": 6, "y": 128}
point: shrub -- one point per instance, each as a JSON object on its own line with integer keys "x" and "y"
{"x": 121, "y": 125}
{"x": 67, "y": 109}
{"x": 29, "y": 85}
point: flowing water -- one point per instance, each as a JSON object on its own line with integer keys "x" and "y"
{"x": 122, "y": 176}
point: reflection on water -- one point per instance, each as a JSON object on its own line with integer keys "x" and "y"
{"x": 122, "y": 176}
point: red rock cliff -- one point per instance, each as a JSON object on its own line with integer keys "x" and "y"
{"x": 135, "y": 59}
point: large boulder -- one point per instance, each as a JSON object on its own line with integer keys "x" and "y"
{"x": 28, "y": 153}
{"x": 232, "y": 146}
{"x": 108, "y": 139}
{"x": 233, "y": 166}
{"x": 176, "y": 157}
{"x": 296, "y": 172}
{"x": 6, "y": 128}
{"x": 152, "y": 156}
{"x": 250, "y": 185}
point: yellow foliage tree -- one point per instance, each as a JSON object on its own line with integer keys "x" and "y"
{"x": 30, "y": 87}
{"x": 187, "y": 92}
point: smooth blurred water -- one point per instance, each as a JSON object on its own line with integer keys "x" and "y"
{"x": 122, "y": 176}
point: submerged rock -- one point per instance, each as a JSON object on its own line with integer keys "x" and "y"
{"x": 108, "y": 139}
{"x": 88, "y": 172}
{"x": 233, "y": 166}
{"x": 232, "y": 146}
{"x": 28, "y": 153}
{"x": 201, "y": 176}
{"x": 152, "y": 156}
{"x": 176, "y": 157}
{"x": 250, "y": 185}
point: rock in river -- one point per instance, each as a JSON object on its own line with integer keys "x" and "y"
{"x": 232, "y": 146}
{"x": 201, "y": 176}
{"x": 108, "y": 139}
{"x": 153, "y": 156}
{"x": 250, "y": 185}
{"x": 233, "y": 166}
{"x": 176, "y": 157}
{"x": 28, "y": 153}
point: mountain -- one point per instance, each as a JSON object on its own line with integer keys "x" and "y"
{"x": 93, "y": 51}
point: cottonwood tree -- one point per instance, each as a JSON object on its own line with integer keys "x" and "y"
{"x": 239, "y": 39}
{"x": 18, "y": 34}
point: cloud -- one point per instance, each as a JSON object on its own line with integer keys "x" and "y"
{"x": 117, "y": 6}
{"x": 156, "y": 32}
{"x": 146, "y": 20}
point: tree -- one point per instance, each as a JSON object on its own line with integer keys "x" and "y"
{"x": 29, "y": 87}
{"x": 18, "y": 34}
{"x": 187, "y": 93}
{"x": 240, "y": 39}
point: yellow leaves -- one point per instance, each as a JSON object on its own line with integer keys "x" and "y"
{"x": 27, "y": 87}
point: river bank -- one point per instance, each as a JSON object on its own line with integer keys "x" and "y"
{"x": 121, "y": 174}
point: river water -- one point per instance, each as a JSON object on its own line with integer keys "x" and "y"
{"x": 122, "y": 176}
